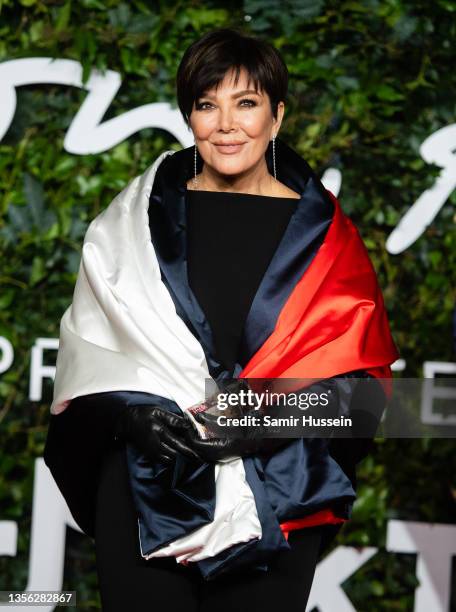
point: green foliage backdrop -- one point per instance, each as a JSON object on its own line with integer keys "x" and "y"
{"x": 370, "y": 80}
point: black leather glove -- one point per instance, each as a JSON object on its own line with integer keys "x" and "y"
{"x": 158, "y": 433}
{"x": 216, "y": 449}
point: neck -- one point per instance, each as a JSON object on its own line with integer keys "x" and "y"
{"x": 254, "y": 180}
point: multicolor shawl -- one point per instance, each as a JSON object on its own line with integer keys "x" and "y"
{"x": 136, "y": 333}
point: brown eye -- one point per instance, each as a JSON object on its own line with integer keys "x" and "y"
{"x": 201, "y": 105}
{"x": 250, "y": 103}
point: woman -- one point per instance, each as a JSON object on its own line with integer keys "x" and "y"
{"x": 225, "y": 260}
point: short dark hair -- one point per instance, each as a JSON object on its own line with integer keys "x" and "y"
{"x": 207, "y": 60}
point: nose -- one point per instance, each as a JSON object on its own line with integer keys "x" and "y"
{"x": 226, "y": 120}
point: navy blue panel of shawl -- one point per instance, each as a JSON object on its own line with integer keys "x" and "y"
{"x": 303, "y": 478}
{"x": 304, "y": 235}
{"x": 171, "y": 500}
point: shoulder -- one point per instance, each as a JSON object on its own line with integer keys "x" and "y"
{"x": 131, "y": 198}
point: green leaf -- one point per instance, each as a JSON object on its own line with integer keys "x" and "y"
{"x": 313, "y": 129}
{"x": 33, "y": 192}
{"x": 38, "y": 270}
{"x": 63, "y": 17}
{"x": 36, "y": 31}
{"x": 386, "y": 92}
{"x": 377, "y": 588}
{"x": 6, "y": 298}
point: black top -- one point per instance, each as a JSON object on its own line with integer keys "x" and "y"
{"x": 231, "y": 239}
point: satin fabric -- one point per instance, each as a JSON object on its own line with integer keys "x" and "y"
{"x": 135, "y": 317}
{"x": 339, "y": 324}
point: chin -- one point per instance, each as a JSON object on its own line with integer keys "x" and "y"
{"x": 231, "y": 167}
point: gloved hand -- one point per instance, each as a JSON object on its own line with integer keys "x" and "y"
{"x": 156, "y": 432}
{"x": 216, "y": 449}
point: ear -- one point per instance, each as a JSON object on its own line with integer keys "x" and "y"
{"x": 277, "y": 122}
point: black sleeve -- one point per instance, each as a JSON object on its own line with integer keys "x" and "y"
{"x": 77, "y": 441}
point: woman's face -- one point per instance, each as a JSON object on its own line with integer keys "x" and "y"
{"x": 232, "y": 125}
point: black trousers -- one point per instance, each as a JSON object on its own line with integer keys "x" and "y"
{"x": 129, "y": 582}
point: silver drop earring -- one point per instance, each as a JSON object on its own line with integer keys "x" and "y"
{"x": 195, "y": 180}
{"x": 273, "y": 156}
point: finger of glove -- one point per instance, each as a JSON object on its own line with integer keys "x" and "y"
{"x": 167, "y": 460}
{"x": 179, "y": 445}
{"x": 167, "y": 453}
{"x": 213, "y": 449}
{"x": 206, "y": 451}
{"x": 210, "y": 422}
{"x": 173, "y": 420}
{"x": 221, "y": 448}
{"x": 154, "y": 448}
{"x": 206, "y": 419}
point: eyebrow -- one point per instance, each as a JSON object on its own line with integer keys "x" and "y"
{"x": 236, "y": 95}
